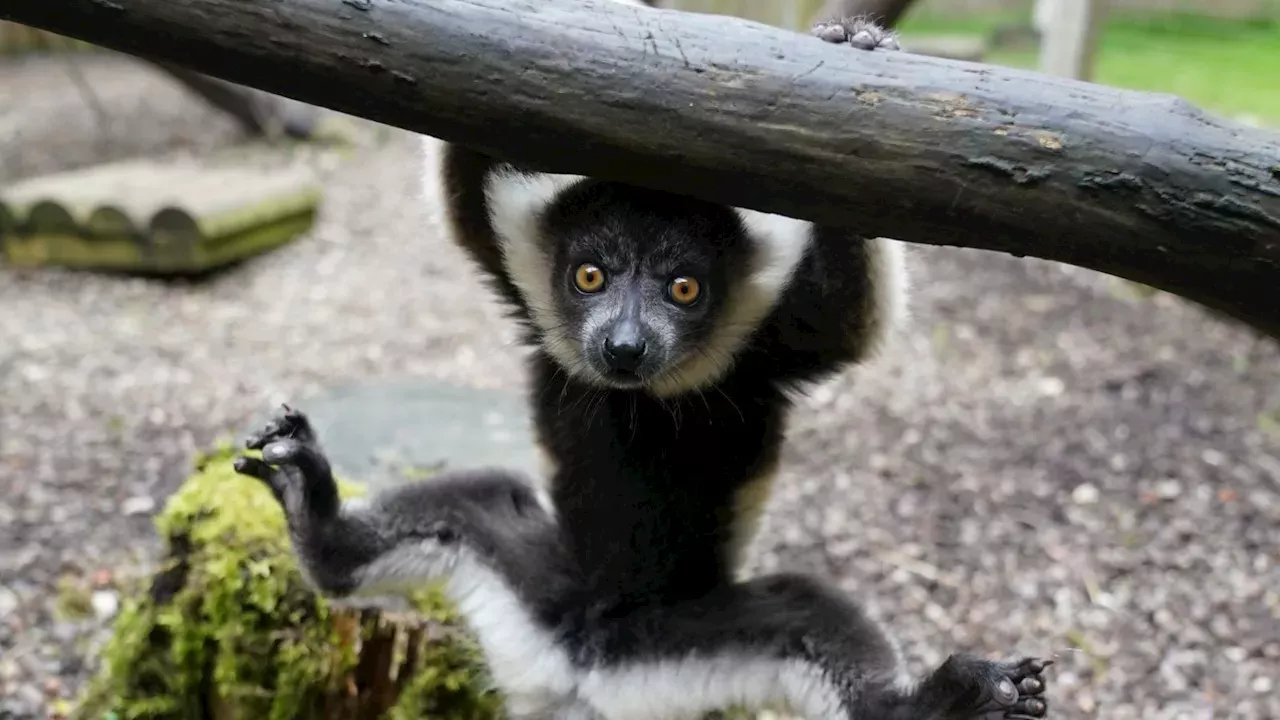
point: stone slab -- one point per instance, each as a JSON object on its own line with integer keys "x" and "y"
{"x": 385, "y": 433}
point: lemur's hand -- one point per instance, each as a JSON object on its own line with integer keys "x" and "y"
{"x": 859, "y": 32}
{"x": 294, "y": 467}
{"x": 990, "y": 690}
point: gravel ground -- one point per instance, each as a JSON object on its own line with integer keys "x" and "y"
{"x": 1045, "y": 464}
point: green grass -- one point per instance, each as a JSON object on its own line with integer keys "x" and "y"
{"x": 1230, "y": 68}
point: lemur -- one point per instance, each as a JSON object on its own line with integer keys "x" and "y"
{"x": 555, "y": 650}
{"x": 667, "y": 333}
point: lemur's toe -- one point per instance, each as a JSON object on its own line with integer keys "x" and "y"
{"x": 255, "y": 468}
{"x": 831, "y": 32}
{"x": 292, "y": 423}
{"x": 1031, "y": 703}
{"x": 1027, "y": 708}
{"x": 1032, "y": 666}
{"x": 284, "y": 451}
{"x": 268, "y": 433}
{"x": 299, "y": 424}
{"x": 864, "y": 40}
{"x": 304, "y": 457}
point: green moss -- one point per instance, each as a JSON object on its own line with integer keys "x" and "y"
{"x": 229, "y": 628}
{"x": 75, "y": 600}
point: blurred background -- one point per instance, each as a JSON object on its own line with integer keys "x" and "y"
{"x": 1051, "y": 461}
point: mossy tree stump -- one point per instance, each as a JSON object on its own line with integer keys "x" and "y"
{"x": 229, "y": 630}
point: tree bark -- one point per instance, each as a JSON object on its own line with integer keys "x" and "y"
{"x": 921, "y": 149}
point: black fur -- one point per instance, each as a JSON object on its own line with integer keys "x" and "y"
{"x": 495, "y": 515}
{"x": 646, "y": 487}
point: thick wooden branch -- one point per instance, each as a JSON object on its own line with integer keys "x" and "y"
{"x": 922, "y": 149}
{"x": 259, "y": 114}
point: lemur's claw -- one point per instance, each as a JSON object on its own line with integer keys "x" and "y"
{"x": 255, "y": 468}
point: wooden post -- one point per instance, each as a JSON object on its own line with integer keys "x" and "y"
{"x": 1069, "y": 36}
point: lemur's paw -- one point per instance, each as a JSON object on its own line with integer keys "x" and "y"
{"x": 1027, "y": 675}
{"x": 291, "y": 424}
{"x": 292, "y": 465}
{"x": 859, "y": 32}
{"x": 999, "y": 690}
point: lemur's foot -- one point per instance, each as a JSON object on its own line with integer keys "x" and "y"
{"x": 859, "y": 32}
{"x": 292, "y": 465}
{"x": 291, "y": 424}
{"x": 989, "y": 690}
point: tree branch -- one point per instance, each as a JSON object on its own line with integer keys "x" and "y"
{"x": 923, "y": 149}
{"x": 258, "y": 113}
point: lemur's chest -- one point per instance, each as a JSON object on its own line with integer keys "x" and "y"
{"x": 717, "y": 440}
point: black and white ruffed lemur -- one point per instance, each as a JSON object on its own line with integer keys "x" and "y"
{"x": 667, "y": 332}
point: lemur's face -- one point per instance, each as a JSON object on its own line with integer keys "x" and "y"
{"x": 639, "y": 278}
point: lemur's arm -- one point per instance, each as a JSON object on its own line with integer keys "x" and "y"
{"x": 863, "y": 278}
{"x": 464, "y": 177}
{"x": 360, "y": 546}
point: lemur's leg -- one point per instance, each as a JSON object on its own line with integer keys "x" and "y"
{"x": 793, "y": 639}
{"x": 333, "y": 545}
{"x": 401, "y": 538}
{"x": 859, "y": 32}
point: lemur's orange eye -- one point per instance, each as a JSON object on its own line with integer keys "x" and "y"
{"x": 685, "y": 290}
{"x": 588, "y": 278}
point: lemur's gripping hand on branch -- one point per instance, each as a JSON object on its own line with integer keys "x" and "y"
{"x": 859, "y": 32}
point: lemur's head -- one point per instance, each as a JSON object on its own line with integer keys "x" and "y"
{"x": 634, "y": 288}
{"x": 639, "y": 277}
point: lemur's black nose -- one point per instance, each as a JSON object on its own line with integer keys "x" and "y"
{"x": 625, "y": 354}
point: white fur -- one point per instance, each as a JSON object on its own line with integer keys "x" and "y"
{"x": 891, "y": 285}
{"x": 533, "y": 672}
{"x": 689, "y": 687}
{"x": 538, "y": 680}
{"x": 404, "y": 569}
{"x": 516, "y": 202}
{"x": 537, "y": 677}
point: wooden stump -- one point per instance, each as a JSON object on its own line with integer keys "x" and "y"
{"x": 229, "y": 630}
